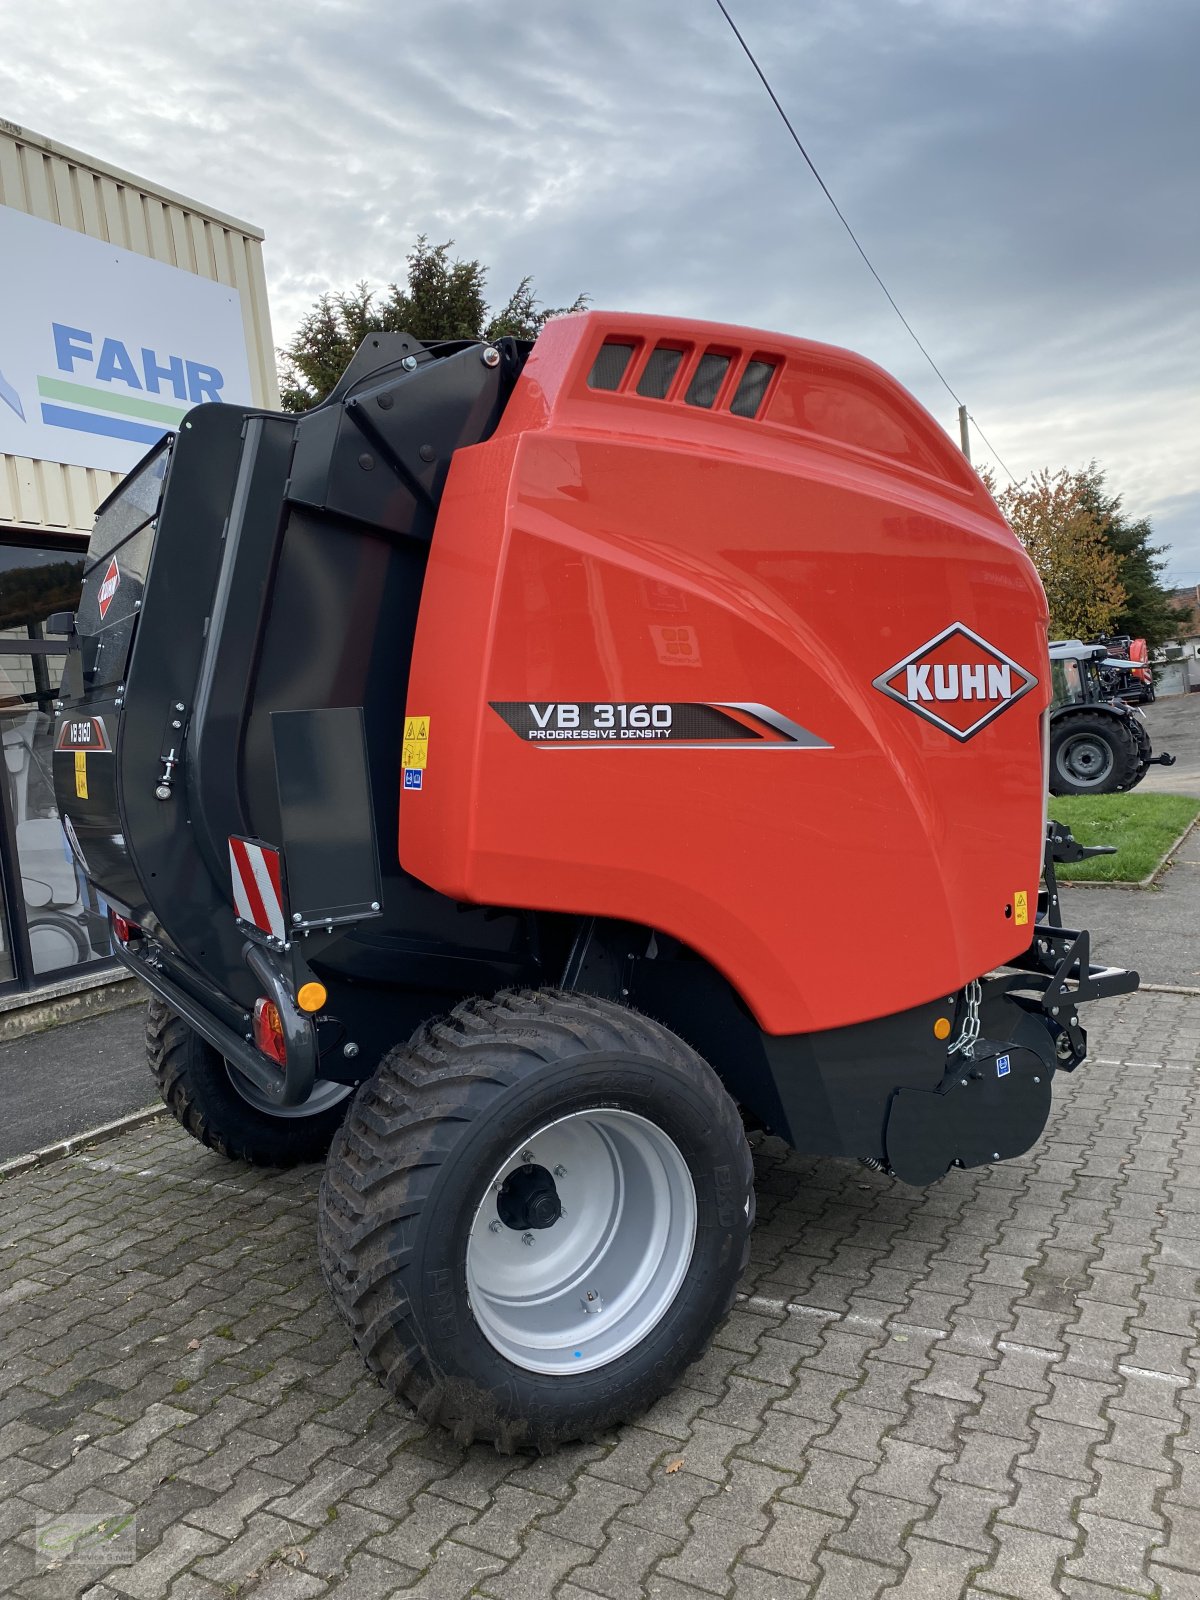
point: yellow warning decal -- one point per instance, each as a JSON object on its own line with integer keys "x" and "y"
{"x": 81, "y": 774}
{"x": 416, "y": 742}
{"x": 1020, "y": 908}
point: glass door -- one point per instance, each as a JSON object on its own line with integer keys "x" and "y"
{"x": 53, "y": 921}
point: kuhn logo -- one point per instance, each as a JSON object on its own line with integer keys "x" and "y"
{"x": 957, "y": 681}
{"x": 108, "y": 588}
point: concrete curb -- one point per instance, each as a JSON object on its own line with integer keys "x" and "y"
{"x": 1166, "y": 988}
{"x": 50, "y": 1010}
{"x": 1150, "y": 881}
{"x": 68, "y": 1147}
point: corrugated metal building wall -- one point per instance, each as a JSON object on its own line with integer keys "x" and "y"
{"x": 51, "y": 181}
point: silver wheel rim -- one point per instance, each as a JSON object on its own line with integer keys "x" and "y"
{"x": 579, "y": 1293}
{"x": 325, "y": 1094}
{"x": 1086, "y": 760}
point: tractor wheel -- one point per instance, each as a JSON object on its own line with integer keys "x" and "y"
{"x": 535, "y": 1215}
{"x": 1091, "y": 754}
{"x": 1145, "y": 751}
{"x": 222, "y": 1109}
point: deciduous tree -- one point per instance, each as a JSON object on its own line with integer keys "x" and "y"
{"x": 1061, "y": 528}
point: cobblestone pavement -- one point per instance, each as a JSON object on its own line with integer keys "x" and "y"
{"x": 986, "y": 1388}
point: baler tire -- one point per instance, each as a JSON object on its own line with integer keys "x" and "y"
{"x": 417, "y": 1162}
{"x": 193, "y": 1080}
{"x": 1100, "y": 729}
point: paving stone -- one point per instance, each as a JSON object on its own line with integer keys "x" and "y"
{"x": 907, "y": 1473}
{"x": 328, "y": 1552}
{"x": 415, "y": 1537}
{"x": 623, "y": 1565}
{"x": 150, "y": 1577}
{"x": 538, "y": 1570}
{"x": 1127, "y": 1493}
{"x": 850, "y": 1577}
{"x": 583, "y": 1518}
{"x": 1113, "y": 1552}
{"x": 674, "y": 1497}
{"x": 790, "y": 1546}
{"x": 455, "y": 1572}
{"x": 827, "y": 1482}
{"x": 964, "y": 1516}
{"x": 1168, "y": 1584}
{"x": 1062, "y": 1449}
{"x": 877, "y": 1528}
{"x": 1025, "y": 1565}
{"x": 1182, "y": 1546}
{"x": 935, "y": 1571}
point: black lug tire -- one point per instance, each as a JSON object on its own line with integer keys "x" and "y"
{"x": 1144, "y": 752}
{"x": 412, "y": 1160}
{"x": 193, "y": 1081}
{"x": 1107, "y": 730}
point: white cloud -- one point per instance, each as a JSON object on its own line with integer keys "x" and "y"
{"x": 1017, "y": 172}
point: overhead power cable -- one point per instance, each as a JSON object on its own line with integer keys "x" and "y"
{"x": 990, "y": 446}
{"x": 797, "y": 141}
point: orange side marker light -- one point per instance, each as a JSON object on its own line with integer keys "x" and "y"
{"x": 311, "y": 996}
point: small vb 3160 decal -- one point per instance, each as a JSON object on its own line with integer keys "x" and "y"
{"x": 84, "y": 733}
{"x": 679, "y": 725}
{"x": 957, "y": 681}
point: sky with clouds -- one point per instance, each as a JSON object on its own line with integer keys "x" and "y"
{"x": 1023, "y": 174}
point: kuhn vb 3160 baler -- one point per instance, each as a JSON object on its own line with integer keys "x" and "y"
{"x": 564, "y": 748}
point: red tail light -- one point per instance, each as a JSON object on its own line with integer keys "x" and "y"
{"x": 268, "y": 1030}
{"x": 123, "y": 928}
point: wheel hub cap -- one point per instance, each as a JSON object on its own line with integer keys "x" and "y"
{"x": 581, "y": 1241}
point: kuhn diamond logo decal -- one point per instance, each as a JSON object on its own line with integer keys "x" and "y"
{"x": 108, "y": 587}
{"x": 957, "y": 681}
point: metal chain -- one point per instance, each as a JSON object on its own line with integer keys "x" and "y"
{"x": 973, "y": 993}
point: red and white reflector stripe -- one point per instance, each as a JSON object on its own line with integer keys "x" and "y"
{"x": 257, "y": 873}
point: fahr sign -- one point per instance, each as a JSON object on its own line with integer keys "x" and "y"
{"x": 102, "y": 350}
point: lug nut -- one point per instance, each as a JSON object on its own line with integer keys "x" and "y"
{"x": 494, "y": 1227}
{"x": 526, "y": 1155}
{"x": 526, "y": 1238}
{"x": 560, "y": 1171}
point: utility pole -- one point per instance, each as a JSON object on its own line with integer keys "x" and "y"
{"x": 964, "y": 432}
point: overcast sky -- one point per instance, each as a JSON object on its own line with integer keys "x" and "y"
{"x": 1023, "y": 173}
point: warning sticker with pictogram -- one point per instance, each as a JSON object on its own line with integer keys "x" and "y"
{"x": 416, "y": 742}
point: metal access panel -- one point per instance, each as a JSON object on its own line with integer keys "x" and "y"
{"x": 330, "y": 851}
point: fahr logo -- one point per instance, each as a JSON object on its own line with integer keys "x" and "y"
{"x": 108, "y": 587}
{"x": 957, "y": 681}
